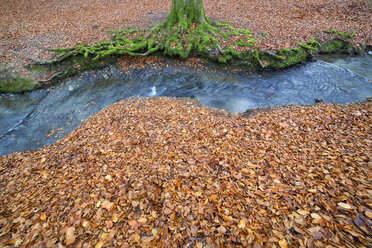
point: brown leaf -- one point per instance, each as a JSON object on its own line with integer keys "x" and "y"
{"x": 168, "y": 211}
{"x": 344, "y": 205}
{"x": 132, "y": 223}
{"x": 222, "y": 229}
{"x": 283, "y": 243}
{"x": 70, "y": 235}
{"x": 303, "y": 212}
{"x": 109, "y": 224}
{"x": 315, "y": 216}
{"x": 241, "y": 224}
{"x": 142, "y": 220}
{"x": 368, "y": 214}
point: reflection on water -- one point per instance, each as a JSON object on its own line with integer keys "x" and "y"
{"x": 359, "y": 65}
{"x": 34, "y": 119}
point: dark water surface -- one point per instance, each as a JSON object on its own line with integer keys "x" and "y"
{"x": 29, "y": 121}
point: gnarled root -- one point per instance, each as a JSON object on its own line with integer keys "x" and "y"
{"x": 174, "y": 40}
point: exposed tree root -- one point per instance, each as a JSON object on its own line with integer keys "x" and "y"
{"x": 182, "y": 38}
{"x": 57, "y": 74}
{"x": 206, "y": 39}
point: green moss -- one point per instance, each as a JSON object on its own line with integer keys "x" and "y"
{"x": 11, "y": 82}
{"x": 314, "y": 43}
{"x": 283, "y": 58}
{"x": 59, "y": 70}
{"x": 17, "y": 85}
{"x": 337, "y": 45}
{"x": 342, "y": 34}
{"x": 308, "y": 47}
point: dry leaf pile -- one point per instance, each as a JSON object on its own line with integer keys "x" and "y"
{"x": 166, "y": 173}
{"x": 25, "y": 25}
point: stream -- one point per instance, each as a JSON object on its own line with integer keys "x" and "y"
{"x": 31, "y": 120}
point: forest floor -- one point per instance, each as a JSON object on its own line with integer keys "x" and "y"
{"x": 165, "y": 172}
{"x": 27, "y": 25}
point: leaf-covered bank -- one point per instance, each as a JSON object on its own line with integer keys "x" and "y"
{"x": 274, "y": 26}
{"x": 166, "y": 172}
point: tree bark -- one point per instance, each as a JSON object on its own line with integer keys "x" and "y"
{"x": 186, "y": 12}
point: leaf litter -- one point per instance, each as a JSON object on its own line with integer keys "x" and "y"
{"x": 165, "y": 172}
{"x": 25, "y": 26}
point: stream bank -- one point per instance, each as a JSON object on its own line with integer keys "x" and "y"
{"x": 31, "y": 120}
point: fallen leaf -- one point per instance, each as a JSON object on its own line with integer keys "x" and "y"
{"x": 368, "y": 214}
{"x": 70, "y": 235}
{"x": 315, "y": 216}
{"x": 167, "y": 211}
{"x": 132, "y": 223}
{"x": 213, "y": 197}
{"x": 283, "y": 243}
{"x": 344, "y": 205}
{"x": 136, "y": 238}
{"x": 43, "y": 217}
{"x": 108, "y": 205}
{"x": 142, "y": 220}
{"x": 104, "y": 236}
{"x": 99, "y": 244}
{"x": 303, "y": 212}
{"x": 115, "y": 217}
{"x": 109, "y": 224}
{"x": 24, "y": 213}
{"x": 85, "y": 223}
{"x": 18, "y": 242}
{"x": 241, "y": 224}
{"x": 221, "y": 229}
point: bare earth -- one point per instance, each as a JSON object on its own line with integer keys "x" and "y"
{"x": 172, "y": 173}
{"x": 25, "y": 25}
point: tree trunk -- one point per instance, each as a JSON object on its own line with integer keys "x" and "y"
{"x": 186, "y": 12}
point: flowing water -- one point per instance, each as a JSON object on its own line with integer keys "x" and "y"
{"x": 29, "y": 121}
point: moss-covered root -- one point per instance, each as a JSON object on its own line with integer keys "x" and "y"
{"x": 11, "y": 82}
{"x": 170, "y": 39}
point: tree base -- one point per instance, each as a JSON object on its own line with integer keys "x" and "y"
{"x": 216, "y": 41}
{"x": 204, "y": 39}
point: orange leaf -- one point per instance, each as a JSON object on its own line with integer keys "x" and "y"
{"x": 70, "y": 236}
{"x": 213, "y": 197}
{"x": 43, "y": 217}
{"x": 99, "y": 244}
{"x": 241, "y": 224}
